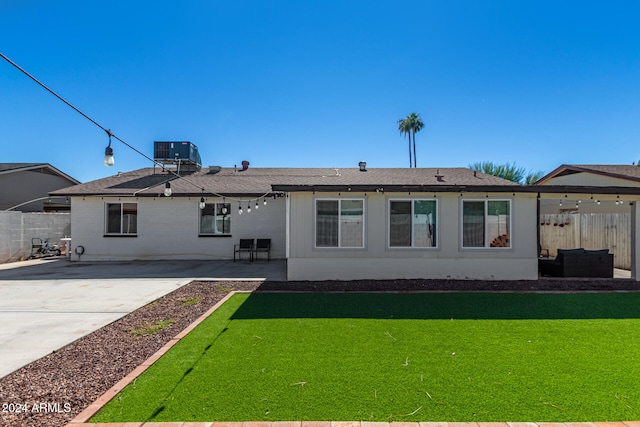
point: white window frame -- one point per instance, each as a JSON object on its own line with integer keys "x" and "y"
{"x": 412, "y": 200}
{"x": 215, "y": 218}
{"x": 486, "y": 201}
{"x": 339, "y": 200}
{"x": 122, "y": 218}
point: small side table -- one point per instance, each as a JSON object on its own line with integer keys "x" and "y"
{"x": 67, "y": 246}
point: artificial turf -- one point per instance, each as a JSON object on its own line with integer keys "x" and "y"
{"x": 399, "y": 357}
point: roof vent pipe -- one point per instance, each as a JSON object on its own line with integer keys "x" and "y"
{"x": 362, "y": 166}
{"x": 245, "y": 165}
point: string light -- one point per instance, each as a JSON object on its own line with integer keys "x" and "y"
{"x": 257, "y": 206}
{"x": 108, "y": 153}
{"x": 109, "y": 157}
{"x": 239, "y": 209}
{"x": 202, "y": 203}
{"x": 248, "y": 208}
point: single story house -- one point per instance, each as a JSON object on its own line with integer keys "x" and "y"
{"x": 26, "y": 186}
{"x": 328, "y": 223}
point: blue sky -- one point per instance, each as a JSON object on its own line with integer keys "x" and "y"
{"x": 322, "y": 84}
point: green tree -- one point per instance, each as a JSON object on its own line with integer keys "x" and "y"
{"x": 533, "y": 177}
{"x": 410, "y": 125}
{"x": 508, "y": 171}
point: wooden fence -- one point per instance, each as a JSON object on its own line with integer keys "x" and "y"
{"x": 590, "y": 231}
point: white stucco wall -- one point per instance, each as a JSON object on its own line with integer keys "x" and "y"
{"x": 168, "y": 229}
{"x": 587, "y": 179}
{"x": 449, "y": 260}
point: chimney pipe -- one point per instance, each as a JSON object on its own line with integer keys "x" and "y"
{"x": 245, "y": 165}
{"x": 362, "y": 166}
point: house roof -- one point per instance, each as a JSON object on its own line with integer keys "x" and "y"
{"x": 626, "y": 172}
{"x": 7, "y": 168}
{"x": 261, "y": 181}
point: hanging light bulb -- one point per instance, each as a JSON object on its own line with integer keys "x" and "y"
{"x": 202, "y": 203}
{"x": 167, "y": 189}
{"x": 248, "y": 208}
{"x": 239, "y": 209}
{"x": 257, "y": 205}
{"x": 108, "y": 153}
{"x": 264, "y": 202}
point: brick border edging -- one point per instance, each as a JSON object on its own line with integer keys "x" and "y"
{"x": 360, "y": 424}
{"x": 82, "y": 419}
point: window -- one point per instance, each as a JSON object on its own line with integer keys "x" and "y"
{"x": 340, "y": 223}
{"x": 486, "y": 223}
{"x": 122, "y": 218}
{"x": 215, "y": 219}
{"x": 412, "y": 223}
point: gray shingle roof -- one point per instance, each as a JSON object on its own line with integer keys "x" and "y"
{"x": 4, "y": 167}
{"x": 259, "y": 181}
{"x": 7, "y": 168}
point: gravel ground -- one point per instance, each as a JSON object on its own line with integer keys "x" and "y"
{"x": 51, "y": 391}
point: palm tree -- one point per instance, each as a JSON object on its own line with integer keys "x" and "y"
{"x": 509, "y": 171}
{"x": 533, "y": 177}
{"x": 410, "y": 125}
{"x": 405, "y": 129}
{"x": 416, "y": 125}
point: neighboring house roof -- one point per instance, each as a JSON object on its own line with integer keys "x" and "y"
{"x": 6, "y": 168}
{"x": 625, "y": 172}
{"x": 260, "y": 181}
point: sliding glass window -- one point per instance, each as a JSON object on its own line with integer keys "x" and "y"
{"x": 339, "y": 223}
{"x": 486, "y": 223}
{"x": 412, "y": 223}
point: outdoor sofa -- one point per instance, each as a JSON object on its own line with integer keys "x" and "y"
{"x": 578, "y": 263}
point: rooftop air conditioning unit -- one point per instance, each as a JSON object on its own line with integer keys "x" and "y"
{"x": 182, "y": 153}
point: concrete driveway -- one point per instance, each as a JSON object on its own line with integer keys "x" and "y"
{"x": 47, "y": 304}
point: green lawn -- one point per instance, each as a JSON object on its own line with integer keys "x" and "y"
{"x": 399, "y": 357}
